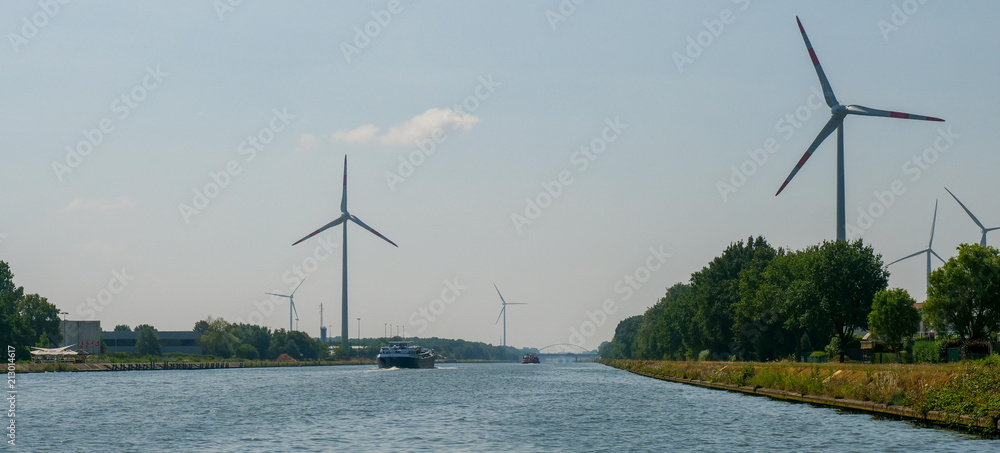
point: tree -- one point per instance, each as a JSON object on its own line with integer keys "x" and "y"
{"x": 216, "y": 340}
{"x": 661, "y": 334}
{"x": 893, "y": 318}
{"x": 964, "y": 296}
{"x": 202, "y": 326}
{"x": 123, "y": 328}
{"x": 253, "y": 335}
{"x": 40, "y": 317}
{"x": 147, "y": 342}
{"x": 625, "y": 332}
{"x": 716, "y": 290}
{"x": 846, "y": 276}
{"x": 775, "y": 316}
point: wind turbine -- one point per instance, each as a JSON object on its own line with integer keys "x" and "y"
{"x": 344, "y": 217}
{"x": 503, "y": 312}
{"x": 929, "y": 250}
{"x": 836, "y": 122}
{"x": 291, "y": 303}
{"x": 974, "y": 219}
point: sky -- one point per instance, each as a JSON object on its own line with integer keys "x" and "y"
{"x": 160, "y": 159}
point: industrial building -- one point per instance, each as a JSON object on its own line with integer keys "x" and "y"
{"x": 170, "y": 341}
{"x": 82, "y": 335}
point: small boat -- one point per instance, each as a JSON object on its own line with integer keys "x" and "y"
{"x": 400, "y": 354}
{"x": 530, "y": 358}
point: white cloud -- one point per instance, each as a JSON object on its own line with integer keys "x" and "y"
{"x": 103, "y": 205}
{"x": 100, "y": 246}
{"x": 363, "y": 134}
{"x": 307, "y": 140}
{"x": 409, "y": 132}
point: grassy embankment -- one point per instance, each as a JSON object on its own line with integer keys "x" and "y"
{"x": 31, "y": 367}
{"x": 956, "y": 394}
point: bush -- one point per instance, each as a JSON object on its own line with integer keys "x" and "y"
{"x": 926, "y": 351}
{"x": 247, "y": 352}
{"x": 819, "y": 357}
{"x": 703, "y": 355}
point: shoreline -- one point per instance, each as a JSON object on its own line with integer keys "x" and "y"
{"x": 982, "y": 425}
{"x": 71, "y": 367}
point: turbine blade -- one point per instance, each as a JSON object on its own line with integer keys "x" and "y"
{"x": 501, "y": 314}
{"x": 297, "y": 286}
{"x": 358, "y": 221}
{"x": 501, "y": 295}
{"x": 324, "y": 228}
{"x": 967, "y": 211}
{"x": 823, "y": 134}
{"x": 866, "y": 111}
{"x": 279, "y": 295}
{"x": 908, "y": 256}
{"x": 991, "y": 229}
{"x": 938, "y": 256}
{"x": 831, "y": 100}
{"x": 516, "y": 303}
{"x": 933, "y": 222}
{"x": 294, "y": 310}
{"x": 343, "y": 198}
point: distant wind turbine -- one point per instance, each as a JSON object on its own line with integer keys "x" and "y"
{"x": 291, "y": 303}
{"x": 929, "y": 250}
{"x": 836, "y": 122}
{"x": 974, "y": 219}
{"x": 344, "y": 217}
{"x": 503, "y": 312}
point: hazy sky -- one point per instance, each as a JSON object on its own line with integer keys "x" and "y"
{"x": 160, "y": 158}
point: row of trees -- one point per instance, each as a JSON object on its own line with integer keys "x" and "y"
{"x": 25, "y": 319}
{"x": 755, "y": 302}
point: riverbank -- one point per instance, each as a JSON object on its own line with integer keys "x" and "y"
{"x": 965, "y": 395}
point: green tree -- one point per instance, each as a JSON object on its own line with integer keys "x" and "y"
{"x": 40, "y": 317}
{"x": 716, "y": 290}
{"x": 123, "y": 328}
{"x": 253, "y": 335}
{"x": 846, "y": 276}
{"x": 245, "y": 351}
{"x": 661, "y": 334}
{"x": 893, "y": 318}
{"x": 216, "y": 340}
{"x": 147, "y": 342}
{"x": 202, "y": 326}
{"x": 625, "y": 332}
{"x": 964, "y": 296}
{"x": 773, "y": 318}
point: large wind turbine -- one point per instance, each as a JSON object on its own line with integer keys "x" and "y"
{"x": 503, "y": 312}
{"x": 839, "y": 112}
{"x": 929, "y": 250}
{"x": 291, "y": 303}
{"x": 974, "y": 219}
{"x": 344, "y": 217}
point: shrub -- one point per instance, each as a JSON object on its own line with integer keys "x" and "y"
{"x": 703, "y": 355}
{"x": 926, "y": 351}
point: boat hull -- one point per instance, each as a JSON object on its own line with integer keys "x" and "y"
{"x": 405, "y": 362}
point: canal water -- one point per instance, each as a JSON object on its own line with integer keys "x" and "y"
{"x": 582, "y": 407}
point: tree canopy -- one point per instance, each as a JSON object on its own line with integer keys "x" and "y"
{"x": 964, "y": 296}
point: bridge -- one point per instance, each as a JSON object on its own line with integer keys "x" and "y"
{"x": 565, "y": 356}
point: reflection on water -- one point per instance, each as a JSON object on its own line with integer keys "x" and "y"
{"x": 467, "y": 407}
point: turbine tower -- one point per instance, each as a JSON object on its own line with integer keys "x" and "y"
{"x": 929, "y": 250}
{"x": 839, "y": 112}
{"x": 503, "y": 312}
{"x": 344, "y": 217}
{"x": 291, "y": 303}
{"x": 974, "y": 219}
